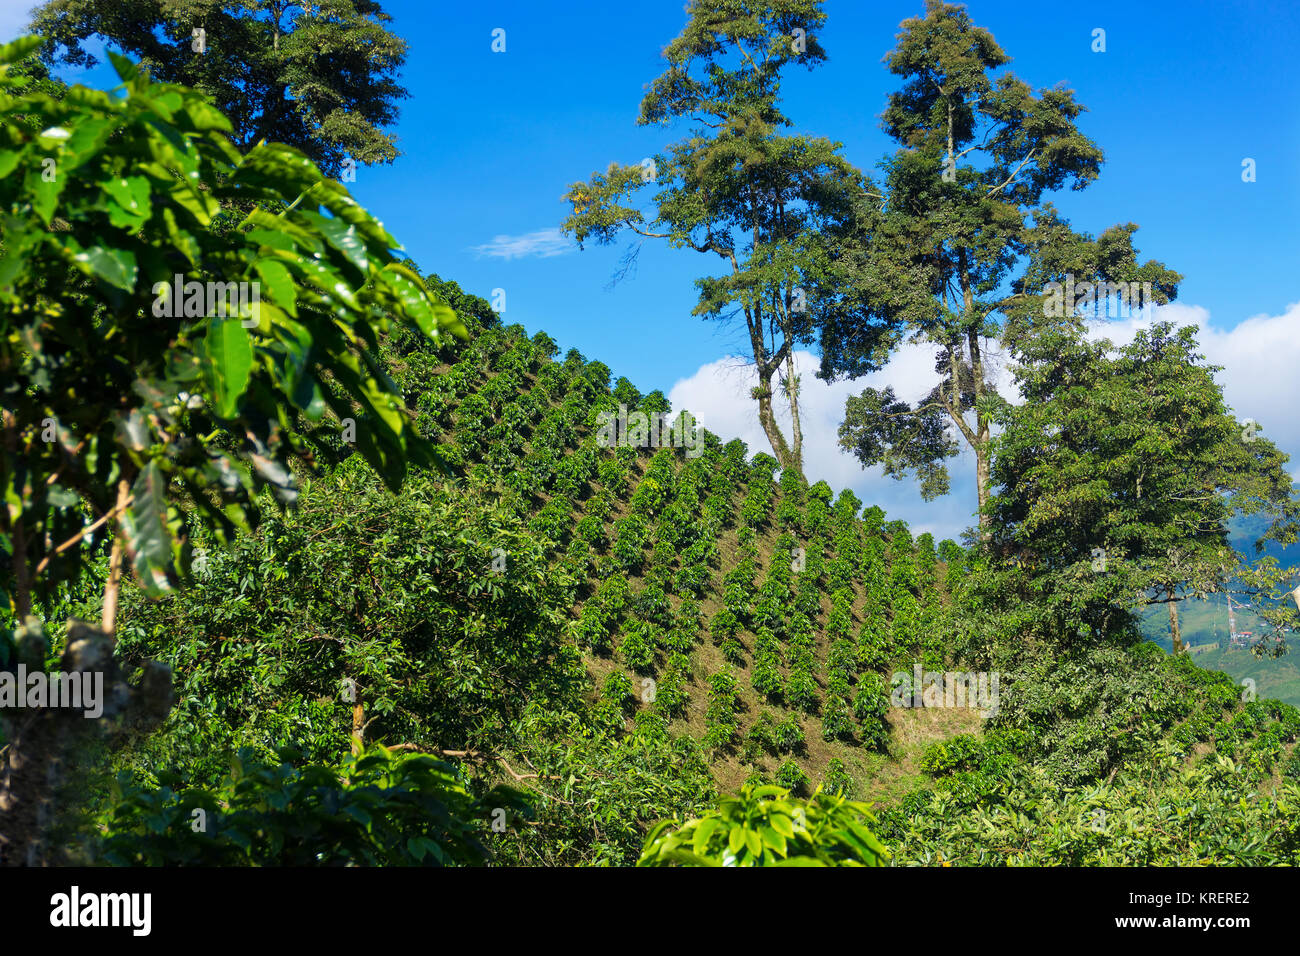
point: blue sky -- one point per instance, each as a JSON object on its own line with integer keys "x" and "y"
{"x": 1183, "y": 93}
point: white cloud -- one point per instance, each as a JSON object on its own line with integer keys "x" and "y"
{"x": 543, "y": 244}
{"x": 1261, "y": 379}
{"x": 1260, "y": 357}
{"x": 718, "y": 394}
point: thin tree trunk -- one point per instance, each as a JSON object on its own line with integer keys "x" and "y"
{"x": 1174, "y": 632}
{"x": 982, "y": 427}
{"x": 114, "y": 585}
{"x": 18, "y": 535}
{"x": 358, "y": 728}
{"x": 982, "y": 486}
{"x": 763, "y": 392}
{"x": 792, "y": 391}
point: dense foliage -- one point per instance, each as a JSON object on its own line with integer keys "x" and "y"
{"x": 762, "y": 826}
{"x": 390, "y": 597}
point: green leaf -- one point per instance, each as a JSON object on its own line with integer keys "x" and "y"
{"x": 736, "y": 839}
{"x": 45, "y": 192}
{"x": 205, "y": 116}
{"x": 88, "y": 138}
{"x": 412, "y": 296}
{"x": 799, "y": 861}
{"x": 117, "y": 267}
{"x": 280, "y": 283}
{"x": 131, "y": 193}
{"x": 688, "y": 858}
{"x": 199, "y": 204}
{"x": 782, "y": 825}
{"x": 146, "y": 527}
{"x": 279, "y": 227}
{"x": 126, "y": 70}
{"x": 329, "y": 282}
{"x": 181, "y": 239}
{"x": 229, "y": 354}
{"x": 773, "y": 839}
{"x": 358, "y": 814}
{"x": 703, "y": 832}
{"x": 342, "y": 237}
{"x": 18, "y": 50}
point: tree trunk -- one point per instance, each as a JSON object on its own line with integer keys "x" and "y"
{"x": 114, "y": 585}
{"x": 982, "y": 485}
{"x": 792, "y": 392}
{"x": 358, "y": 728}
{"x": 22, "y": 595}
{"x": 763, "y": 393}
{"x": 982, "y": 431}
{"x": 1174, "y": 632}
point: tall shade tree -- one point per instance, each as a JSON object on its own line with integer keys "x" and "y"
{"x": 159, "y": 364}
{"x": 321, "y": 77}
{"x": 964, "y": 245}
{"x": 1115, "y": 482}
{"x": 775, "y": 208}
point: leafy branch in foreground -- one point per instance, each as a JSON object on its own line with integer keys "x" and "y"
{"x": 765, "y": 826}
{"x": 160, "y": 352}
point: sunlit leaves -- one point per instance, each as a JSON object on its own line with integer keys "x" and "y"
{"x": 170, "y": 342}
{"x": 765, "y": 826}
{"x": 229, "y": 362}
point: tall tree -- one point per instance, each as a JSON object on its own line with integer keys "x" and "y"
{"x": 1115, "y": 482}
{"x": 775, "y": 208}
{"x": 965, "y": 244}
{"x": 321, "y": 77}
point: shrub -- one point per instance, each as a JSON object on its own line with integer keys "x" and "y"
{"x": 790, "y": 776}
{"x": 766, "y": 675}
{"x": 836, "y": 723}
{"x": 377, "y": 809}
{"x": 721, "y": 721}
{"x": 637, "y": 648}
{"x": 618, "y": 692}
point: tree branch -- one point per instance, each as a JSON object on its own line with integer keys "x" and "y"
{"x": 89, "y": 529}
{"x": 114, "y": 583}
{"x": 1014, "y": 174}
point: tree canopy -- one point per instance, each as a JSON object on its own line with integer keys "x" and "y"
{"x": 318, "y": 76}
{"x": 1115, "y": 481}
{"x": 966, "y": 242}
{"x": 775, "y": 208}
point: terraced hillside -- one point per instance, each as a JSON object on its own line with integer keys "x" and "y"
{"x": 621, "y": 633}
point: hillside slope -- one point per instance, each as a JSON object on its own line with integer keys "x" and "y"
{"x": 625, "y": 632}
